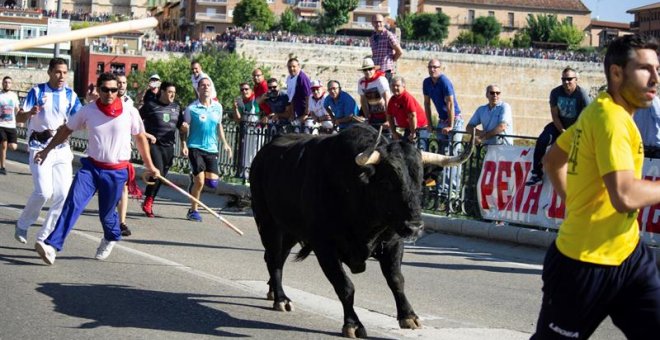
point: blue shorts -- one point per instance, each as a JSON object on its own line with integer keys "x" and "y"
{"x": 577, "y": 296}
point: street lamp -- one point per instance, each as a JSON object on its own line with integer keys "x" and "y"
{"x": 56, "y": 52}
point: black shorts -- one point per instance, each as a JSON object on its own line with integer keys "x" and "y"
{"x": 202, "y": 161}
{"x": 577, "y": 296}
{"x": 8, "y": 134}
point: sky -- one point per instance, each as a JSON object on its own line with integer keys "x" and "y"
{"x": 606, "y": 10}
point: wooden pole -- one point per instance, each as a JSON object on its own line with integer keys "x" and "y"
{"x": 94, "y": 31}
{"x": 176, "y": 187}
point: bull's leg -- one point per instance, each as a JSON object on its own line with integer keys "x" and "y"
{"x": 277, "y": 247}
{"x": 390, "y": 264}
{"x": 333, "y": 270}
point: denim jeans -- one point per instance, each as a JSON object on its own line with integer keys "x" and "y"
{"x": 451, "y": 177}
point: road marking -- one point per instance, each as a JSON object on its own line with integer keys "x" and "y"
{"x": 375, "y": 322}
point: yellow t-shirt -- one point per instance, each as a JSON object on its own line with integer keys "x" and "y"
{"x": 604, "y": 139}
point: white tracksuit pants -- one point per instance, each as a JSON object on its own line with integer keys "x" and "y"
{"x": 52, "y": 180}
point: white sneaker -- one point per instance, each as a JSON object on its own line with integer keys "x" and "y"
{"x": 20, "y": 235}
{"x": 104, "y": 250}
{"x": 46, "y": 252}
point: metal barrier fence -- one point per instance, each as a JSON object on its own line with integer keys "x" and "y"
{"x": 451, "y": 191}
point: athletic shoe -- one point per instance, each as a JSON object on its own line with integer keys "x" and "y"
{"x": 534, "y": 180}
{"x": 3, "y": 171}
{"x": 194, "y": 215}
{"x": 147, "y": 206}
{"x": 105, "y": 248}
{"x": 20, "y": 235}
{"x": 46, "y": 252}
{"x": 124, "y": 229}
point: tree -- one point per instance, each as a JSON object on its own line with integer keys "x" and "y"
{"x": 254, "y": 12}
{"x": 288, "y": 20}
{"x": 335, "y": 14}
{"x": 540, "y": 26}
{"x": 566, "y": 33}
{"x": 430, "y": 26}
{"x": 522, "y": 39}
{"x": 487, "y": 27}
{"x": 405, "y": 23}
{"x": 227, "y": 70}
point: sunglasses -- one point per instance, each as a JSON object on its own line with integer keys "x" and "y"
{"x": 109, "y": 89}
{"x": 272, "y": 87}
{"x": 492, "y": 93}
{"x": 433, "y": 67}
{"x": 245, "y": 89}
{"x": 567, "y": 78}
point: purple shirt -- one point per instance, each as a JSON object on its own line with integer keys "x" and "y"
{"x": 303, "y": 91}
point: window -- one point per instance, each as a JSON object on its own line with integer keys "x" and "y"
{"x": 491, "y": 13}
{"x": 134, "y": 68}
{"x": 438, "y": 9}
{"x": 100, "y": 68}
{"x": 209, "y": 29}
{"x": 511, "y": 19}
{"x": 470, "y": 16}
{"x": 117, "y": 68}
{"x": 569, "y": 20}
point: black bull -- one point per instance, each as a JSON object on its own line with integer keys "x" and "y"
{"x": 345, "y": 197}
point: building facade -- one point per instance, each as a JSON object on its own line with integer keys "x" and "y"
{"x": 511, "y": 14}
{"x": 602, "y": 32}
{"x": 647, "y": 20}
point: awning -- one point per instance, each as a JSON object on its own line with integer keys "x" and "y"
{"x": 10, "y": 27}
{"x": 35, "y": 55}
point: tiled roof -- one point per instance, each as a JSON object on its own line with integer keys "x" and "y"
{"x": 562, "y": 5}
{"x": 651, "y": 6}
{"x": 610, "y": 24}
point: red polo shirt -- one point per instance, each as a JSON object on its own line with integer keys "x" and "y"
{"x": 399, "y": 107}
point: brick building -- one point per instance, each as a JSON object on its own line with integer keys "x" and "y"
{"x": 647, "y": 19}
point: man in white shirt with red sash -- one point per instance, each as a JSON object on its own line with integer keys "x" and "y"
{"x": 109, "y": 124}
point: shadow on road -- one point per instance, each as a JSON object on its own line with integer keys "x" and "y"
{"x": 123, "y": 306}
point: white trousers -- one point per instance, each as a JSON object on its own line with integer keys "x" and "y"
{"x": 51, "y": 180}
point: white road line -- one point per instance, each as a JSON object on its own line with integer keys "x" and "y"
{"x": 375, "y": 322}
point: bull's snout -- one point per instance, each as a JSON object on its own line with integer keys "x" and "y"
{"x": 412, "y": 229}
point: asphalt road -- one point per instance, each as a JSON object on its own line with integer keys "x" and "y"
{"x": 176, "y": 279}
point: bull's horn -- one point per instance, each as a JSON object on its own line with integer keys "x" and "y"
{"x": 365, "y": 159}
{"x": 447, "y": 161}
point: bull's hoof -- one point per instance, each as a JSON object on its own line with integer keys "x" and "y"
{"x": 352, "y": 331}
{"x": 283, "y": 306}
{"x": 412, "y": 322}
{"x": 270, "y": 296}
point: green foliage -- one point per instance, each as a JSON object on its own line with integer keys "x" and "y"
{"x": 288, "y": 20}
{"x": 430, "y": 26}
{"x": 504, "y": 43}
{"x": 464, "y": 38}
{"x": 255, "y": 12}
{"x": 81, "y": 24}
{"x": 227, "y": 70}
{"x": 487, "y": 27}
{"x": 540, "y": 26}
{"x": 335, "y": 13}
{"x": 405, "y": 23}
{"x": 522, "y": 39}
{"x": 566, "y": 33}
{"x": 305, "y": 28}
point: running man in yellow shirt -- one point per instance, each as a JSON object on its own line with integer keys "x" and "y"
{"x": 598, "y": 265}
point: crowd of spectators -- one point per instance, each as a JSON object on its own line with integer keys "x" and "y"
{"x": 82, "y": 16}
{"x": 187, "y": 46}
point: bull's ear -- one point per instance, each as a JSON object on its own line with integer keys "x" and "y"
{"x": 366, "y": 173}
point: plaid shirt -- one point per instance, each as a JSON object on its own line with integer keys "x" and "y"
{"x": 382, "y": 49}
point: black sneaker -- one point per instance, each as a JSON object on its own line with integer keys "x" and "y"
{"x": 3, "y": 171}
{"x": 534, "y": 180}
{"x": 124, "y": 230}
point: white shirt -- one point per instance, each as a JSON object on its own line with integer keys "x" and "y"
{"x": 9, "y": 105}
{"x": 109, "y": 139}
{"x": 291, "y": 86}
{"x": 316, "y": 106}
{"x": 195, "y": 83}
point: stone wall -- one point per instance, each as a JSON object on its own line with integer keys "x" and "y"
{"x": 525, "y": 83}
{"x": 25, "y": 79}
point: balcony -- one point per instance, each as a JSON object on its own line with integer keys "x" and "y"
{"x": 308, "y": 5}
{"x": 372, "y": 8}
{"x": 212, "y": 2}
{"x": 208, "y": 17}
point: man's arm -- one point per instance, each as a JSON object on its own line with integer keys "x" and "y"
{"x": 364, "y": 105}
{"x": 429, "y": 113}
{"x": 555, "y": 166}
{"x": 554, "y": 111}
{"x": 628, "y": 194}
{"x": 63, "y": 132}
{"x": 398, "y": 52}
{"x": 449, "y": 102}
{"x": 183, "y": 136}
{"x": 494, "y": 132}
{"x": 225, "y": 145}
{"x": 142, "y": 145}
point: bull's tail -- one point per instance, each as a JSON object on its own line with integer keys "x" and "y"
{"x": 304, "y": 252}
